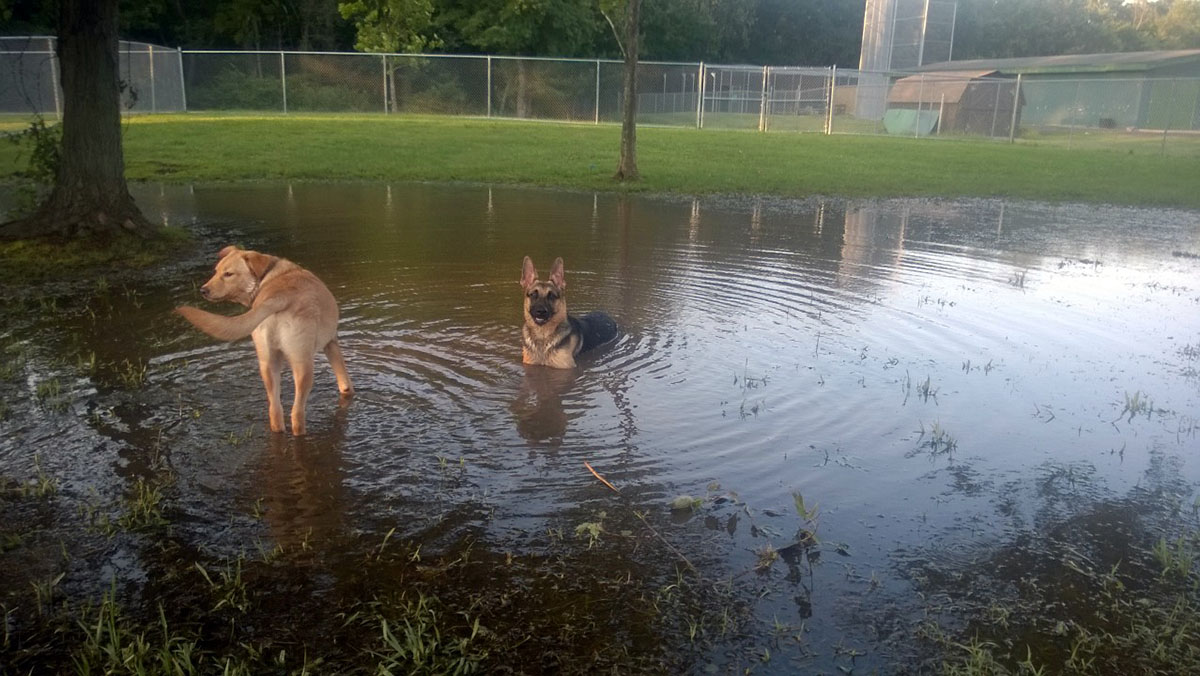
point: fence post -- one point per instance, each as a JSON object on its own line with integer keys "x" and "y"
{"x": 762, "y": 102}
{"x": 1012, "y": 125}
{"x": 153, "y": 92}
{"x": 54, "y": 82}
{"x": 182, "y": 84}
{"x": 1194, "y": 120}
{"x": 283, "y": 80}
{"x": 829, "y": 106}
{"x": 700, "y": 101}
{"x": 597, "y": 120}
{"x": 1074, "y": 111}
{"x": 489, "y": 85}
{"x": 383, "y": 59}
{"x": 995, "y": 110}
{"x": 942, "y": 113}
{"x": 1170, "y": 110}
{"x": 920, "y": 99}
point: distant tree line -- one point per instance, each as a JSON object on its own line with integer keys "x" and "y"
{"x": 773, "y": 32}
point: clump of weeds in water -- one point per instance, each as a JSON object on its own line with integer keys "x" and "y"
{"x": 143, "y": 507}
{"x": 49, "y": 393}
{"x": 228, "y": 587}
{"x": 591, "y": 529}
{"x": 1176, "y": 558}
{"x": 132, "y": 374}
{"x": 414, "y": 644}
{"x": 113, "y": 644}
{"x": 936, "y": 442}
{"x": 42, "y": 486}
{"x": 1148, "y": 631}
{"x": 927, "y": 391}
{"x": 1135, "y": 405}
{"x": 141, "y": 510}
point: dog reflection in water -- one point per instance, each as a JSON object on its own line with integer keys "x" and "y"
{"x": 538, "y": 407}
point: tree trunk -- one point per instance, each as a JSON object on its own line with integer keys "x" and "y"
{"x": 90, "y": 197}
{"x": 627, "y": 166}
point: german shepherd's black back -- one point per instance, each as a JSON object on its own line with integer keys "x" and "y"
{"x": 594, "y": 328}
{"x": 551, "y": 336}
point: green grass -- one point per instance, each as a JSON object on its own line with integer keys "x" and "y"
{"x": 193, "y": 147}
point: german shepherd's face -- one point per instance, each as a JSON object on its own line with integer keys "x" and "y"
{"x": 545, "y": 302}
{"x": 237, "y": 276}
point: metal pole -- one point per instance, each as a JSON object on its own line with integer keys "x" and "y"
{"x": 597, "y": 118}
{"x": 942, "y": 112}
{"x": 699, "y": 98}
{"x": 1074, "y": 110}
{"x": 762, "y": 102}
{"x": 1012, "y": 125}
{"x": 489, "y": 86}
{"x": 182, "y": 84}
{"x": 283, "y": 80}
{"x": 383, "y": 62}
{"x": 995, "y": 110}
{"x": 153, "y": 93}
{"x": 1170, "y": 107}
{"x": 54, "y": 83}
{"x": 953, "y": 20}
{"x": 829, "y": 108}
{"x": 1195, "y": 110}
{"x": 924, "y": 29}
{"x": 920, "y": 98}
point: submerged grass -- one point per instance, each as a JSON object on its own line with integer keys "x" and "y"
{"x": 194, "y": 147}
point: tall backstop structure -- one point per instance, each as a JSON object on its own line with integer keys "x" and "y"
{"x": 901, "y": 35}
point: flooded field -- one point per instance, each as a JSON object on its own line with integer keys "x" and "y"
{"x": 858, "y": 436}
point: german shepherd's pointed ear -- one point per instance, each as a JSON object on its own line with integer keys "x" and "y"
{"x": 227, "y": 250}
{"x": 556, "y": 274}
{"x": 258, "y": 263}
{"x": 528, "y": 273}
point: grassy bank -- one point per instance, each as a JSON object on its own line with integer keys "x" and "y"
{"x": 206, "y": 148}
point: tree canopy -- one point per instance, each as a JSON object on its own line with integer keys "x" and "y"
{"x": 772, "y": 32}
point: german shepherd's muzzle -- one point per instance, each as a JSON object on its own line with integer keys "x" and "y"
{"x": 550, "y": 336}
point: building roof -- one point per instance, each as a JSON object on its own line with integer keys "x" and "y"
{"x": 1075, "y": 63}
{"x": 931, "y": 87}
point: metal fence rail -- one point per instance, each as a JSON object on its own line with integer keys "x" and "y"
{"x": 709, "y": 96}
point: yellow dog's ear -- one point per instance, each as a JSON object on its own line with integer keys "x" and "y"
{"x": 227, "y": 250}
{"x": 258, "y": 263}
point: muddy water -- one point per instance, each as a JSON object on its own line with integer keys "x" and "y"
{"x": 937, "y": 376}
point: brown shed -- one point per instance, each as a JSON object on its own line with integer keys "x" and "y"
{"x": 971, "y": 102}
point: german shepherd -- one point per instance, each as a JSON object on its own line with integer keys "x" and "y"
{"x": 550, "y": 336}
{"x": 292, "y": 315}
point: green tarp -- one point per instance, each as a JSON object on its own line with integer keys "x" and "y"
{"x": 909, "y": 122}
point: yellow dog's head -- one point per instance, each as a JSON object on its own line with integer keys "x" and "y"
{"x": 238, "y": 275}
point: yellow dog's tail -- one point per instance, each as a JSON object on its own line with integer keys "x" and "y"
{"x": 228, "y": 328}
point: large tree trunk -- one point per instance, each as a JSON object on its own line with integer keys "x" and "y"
{"x": 627, "y": 166}
{"x": 90, "y": 197}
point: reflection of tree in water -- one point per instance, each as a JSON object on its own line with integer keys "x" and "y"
{"x": 1078, "y": 579}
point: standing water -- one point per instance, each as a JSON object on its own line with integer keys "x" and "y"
{"x": 831, "y": 421}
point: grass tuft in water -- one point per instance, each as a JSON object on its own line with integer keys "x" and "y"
{"x": 413, "y": 643}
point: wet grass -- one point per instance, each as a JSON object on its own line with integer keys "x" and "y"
{"x": 197, "y": 147}
{"x": 32, "y": 261}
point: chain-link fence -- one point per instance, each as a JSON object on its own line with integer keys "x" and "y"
{"x": 1082, "y": 111}
{"x": 151, "y": 77}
